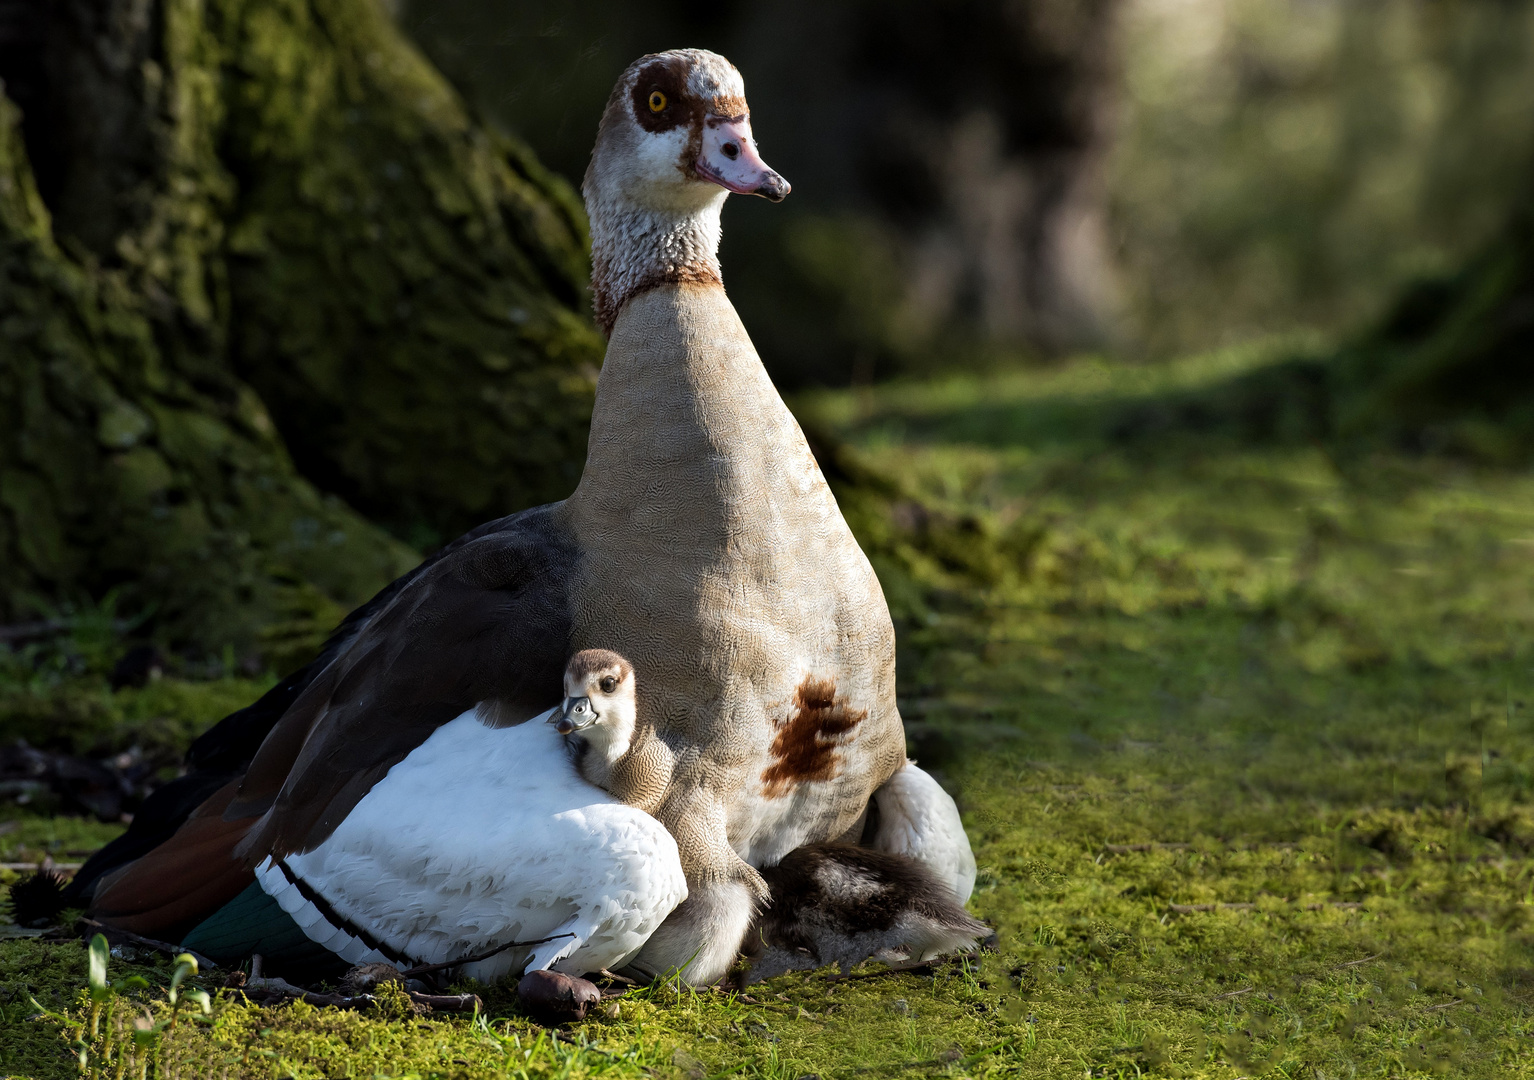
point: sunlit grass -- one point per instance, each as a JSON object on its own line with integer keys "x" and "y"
{"x": 1243, "y": 735}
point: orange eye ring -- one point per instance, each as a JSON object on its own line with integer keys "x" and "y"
{"x": 657, "y": 101}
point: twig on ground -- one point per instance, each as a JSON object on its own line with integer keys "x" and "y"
{"x": 1355, "y": 963}
{"x": 474, "y": 958}
{"x": 1446, "y": 1005}
{"x": 1189, "y": 909}
{"x": 1125, "y": 849}
{"x": 893, "y": 969}
{"x": 270, "y": 991}
{"x": 46, "y": 864}
{"x": 1232, "y": 994}
{"x": 116, "y": 936}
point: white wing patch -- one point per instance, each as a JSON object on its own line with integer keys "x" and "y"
{"x": 918, "y": 819}
{"x": 480, "y": 837}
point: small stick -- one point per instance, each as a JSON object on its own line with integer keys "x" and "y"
{"x": 1445, "y": 1005}
{"x": 281, "y": 988}
{"x": 1125, "y": 849}
{"x": 893, "y": 969}
{"x": 1232, "y": 994}
{"x": 128, "y": 937}
{"x": 1355, "y": 963}
{"x": 474, "y": 958}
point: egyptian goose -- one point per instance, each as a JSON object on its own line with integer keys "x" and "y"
{"x": 702, "y": 543}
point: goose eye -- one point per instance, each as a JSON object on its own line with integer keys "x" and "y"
{"x": 657, "y": 101}
{"x": 609, "y": 684}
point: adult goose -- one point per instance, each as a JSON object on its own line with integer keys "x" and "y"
{"x": 702, "y": 543}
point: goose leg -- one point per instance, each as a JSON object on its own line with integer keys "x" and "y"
{"x": 702, "y": 936}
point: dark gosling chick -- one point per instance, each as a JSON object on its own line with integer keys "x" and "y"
{"x": 842, "y": 904}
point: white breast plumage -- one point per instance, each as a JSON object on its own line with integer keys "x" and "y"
{"x": 479, "y": 837}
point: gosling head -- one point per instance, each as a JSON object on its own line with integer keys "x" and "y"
{"x": 600, "y": 702}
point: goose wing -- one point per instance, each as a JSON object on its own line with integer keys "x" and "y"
{"x": 223, "y": 752}
{"x": 919, "y": 820}
{"x": 504, "y": 843}
{"x": 486, "y": 621}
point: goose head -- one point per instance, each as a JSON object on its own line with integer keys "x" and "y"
{"x": 600, "y": 702}
{"x": 675, "y": 140}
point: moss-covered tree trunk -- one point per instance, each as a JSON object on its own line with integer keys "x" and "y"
{"x": 252, "y": 251}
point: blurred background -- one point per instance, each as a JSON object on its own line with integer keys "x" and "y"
{"x": 1172, "y": 360}
{"x": 997, "y": 182}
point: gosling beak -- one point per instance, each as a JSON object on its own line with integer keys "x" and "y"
{"x": 729, "y": 158}
{"x": 573, "y": 715}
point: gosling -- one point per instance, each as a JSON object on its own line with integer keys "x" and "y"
{"x": 600, "y": 717}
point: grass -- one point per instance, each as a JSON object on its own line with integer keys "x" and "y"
{"x": 1240, "y": 724}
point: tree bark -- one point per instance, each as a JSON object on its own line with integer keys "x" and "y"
{"x": 255, "y": 255}
{"x": 119, "y": 472}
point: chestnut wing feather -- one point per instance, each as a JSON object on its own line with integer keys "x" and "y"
{"x": 487, "y": 621}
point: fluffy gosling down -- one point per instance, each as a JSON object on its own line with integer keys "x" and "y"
{"x": 829, "y": 903}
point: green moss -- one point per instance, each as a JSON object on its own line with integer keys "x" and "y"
{"x": 83, "y": 715}
{"x": 1221, "y": 671}
{"x": 405, "y": 278}
{"x": 117, "y": 471}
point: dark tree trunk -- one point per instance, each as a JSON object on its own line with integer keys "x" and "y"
{"x": 246, "y": 235}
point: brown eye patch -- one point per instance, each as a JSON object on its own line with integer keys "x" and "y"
{"x": 662, "y": 83}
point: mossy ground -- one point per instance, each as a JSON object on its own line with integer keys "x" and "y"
{"x": 1206, "y": 670}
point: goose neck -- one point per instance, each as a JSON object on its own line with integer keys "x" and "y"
{"x": 635, "y": 248}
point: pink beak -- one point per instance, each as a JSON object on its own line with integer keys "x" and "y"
{"x": 729, "y": 159}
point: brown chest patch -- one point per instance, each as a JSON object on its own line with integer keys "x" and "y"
{"x": 805, "y": 746}
{"x": 607, "y": 305}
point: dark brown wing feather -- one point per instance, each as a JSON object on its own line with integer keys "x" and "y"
{"x": 488, "y": 621}
{"x": 172, "y": 888}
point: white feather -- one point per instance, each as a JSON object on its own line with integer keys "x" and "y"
{"x": 918, "y": 819}
{"x": 483, "y": 836}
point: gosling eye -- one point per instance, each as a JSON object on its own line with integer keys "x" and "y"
{"x": 608, "y": 683}
{"x": 657, "y": 101}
